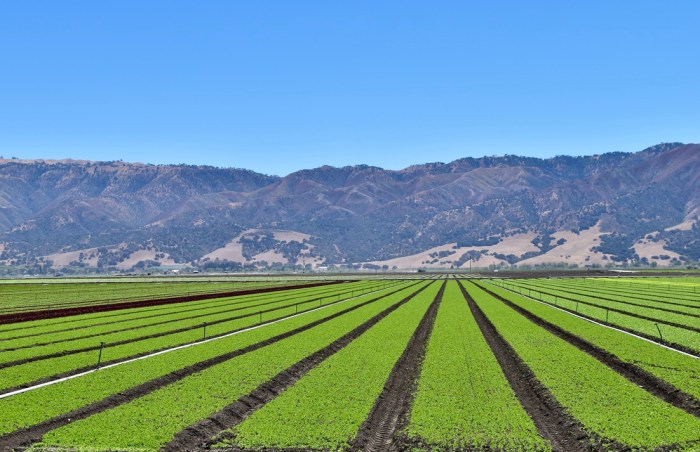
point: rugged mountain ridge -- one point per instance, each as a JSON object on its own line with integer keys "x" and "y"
{"x": 115, "y": 214}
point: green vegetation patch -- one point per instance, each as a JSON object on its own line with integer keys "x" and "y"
{"x": 462, "y": 386}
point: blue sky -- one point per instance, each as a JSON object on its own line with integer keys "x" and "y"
{"x": 276, "y": 86}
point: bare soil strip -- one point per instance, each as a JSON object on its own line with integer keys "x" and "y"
{"x": 150, "y": 336}
{"x": 111, "y": 297}
{"x": 390, "y": 411}
{"x": 635, "y": 292}
{"x": 153, "y": 313}
{"x": 27, "y": 436}
{"x": 114, "y": 299}
{"x": 633, "y": 373}
{"x": 548, "y": 290}
{"x": 235, "y": 308}
{"x": 620, "y": 311}
{"x": 151, "y": 352}
{"x": 200, "y": 435}
{"x": 553, "y": 422}
{"x": 50, "y": 314}
{"x": 656, "y": 339}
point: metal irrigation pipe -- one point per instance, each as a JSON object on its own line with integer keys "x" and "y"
{"x": 659, "y": 330}
{"x": 99, "y": 356}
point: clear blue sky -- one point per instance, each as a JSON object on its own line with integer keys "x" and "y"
{"x": 276, "y": 86}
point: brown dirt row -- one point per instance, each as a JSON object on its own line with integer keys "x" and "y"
{"x": 604, "y": 273}
{"x": 548, "y": 274}
{"x": 620, "y": 311}
{"x": 158, "y": 311}
{"x": 656, "y": 339}
{"x": 49, "y": 306}
{"x": 165, "y": 322}
{"x": 140, "y": 338}
{"x": 548, "y": 290}
{"x": 635, "y": 291}
{"x": 200, "y": 435}
{"x": 26, "y": 436}
{"x": 633, "y": 373}
{"x": 50, "y": 314}
{"x": 138, "y": 355}
{"x": 116, "y": 298}
{"x": 390, "y": 411}
{"x": 133, "y": 340}
{"x": 552, "y": 421}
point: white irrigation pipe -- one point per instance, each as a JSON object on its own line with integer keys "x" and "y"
{"x": 179, "y": 347}
{"x": 598, "y": 323}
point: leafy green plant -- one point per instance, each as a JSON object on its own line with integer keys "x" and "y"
{"x": 163, "y": 413}
{"x": 325, "y": 409}
{"x": 677, "y": 369}
{"x": 607, "y": 404}
{"x": 29, "y": 408}
{"x": 461, "y": 386}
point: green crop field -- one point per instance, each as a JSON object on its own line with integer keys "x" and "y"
{"x": 387, "y": 362}
{"x": 36, "y": 295}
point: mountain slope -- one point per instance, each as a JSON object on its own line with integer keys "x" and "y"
{"x": 635, "y": 206}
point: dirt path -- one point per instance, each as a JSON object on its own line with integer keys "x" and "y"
{"x": 199, "y": 436}
{"x": 633, "y": 373}
{"x": 551, "y": 419}
{"x": 390, "y": 411}
{"x": 51, "y": 314}
{"x": 27, "y": 436}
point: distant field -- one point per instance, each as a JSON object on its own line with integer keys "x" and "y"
{"x": 430, "y": 362}
{"x": 20, "y": 295}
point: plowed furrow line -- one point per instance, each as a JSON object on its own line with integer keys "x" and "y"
{"x": 150, "y": 352}
{"x": 672, "y": 345}
{"x": 171, "y": 321}
{"x": 200, "y": 435}
{"x": 159, "y": 312}
{"x": 50, "y": 314}
{"x": 633, "y": 373}
{"x": 143, "y": 338}
{"x": 27, "y": 436}
{"x": 390, "y": 410}
{"x": 548, "y": 290}
{"x": 553, "y": 422}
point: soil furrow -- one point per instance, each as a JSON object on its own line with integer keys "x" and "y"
{"x": 657, "y": 339}
{"x": 107, "y": 297}
{"x": 159, "y": 312}
{"x": 40, "y": 315}
{"x": 620, "y": 311}
{"x": 637, "y": 294}
{"x": 552, "y": 421}
{"x": 138, "y": 355}
{"x": 27, "y": 436}
{"x": 166, "y": 322}
{"x": 633, "y": 373}
{"x": 200, "y": 435}
{"x": 144, "y": 338}
{"x": 390, "y": 411}
{"x": 548, "y": 290}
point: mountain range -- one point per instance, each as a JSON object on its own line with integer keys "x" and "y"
{"x": 609, "y": 209}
